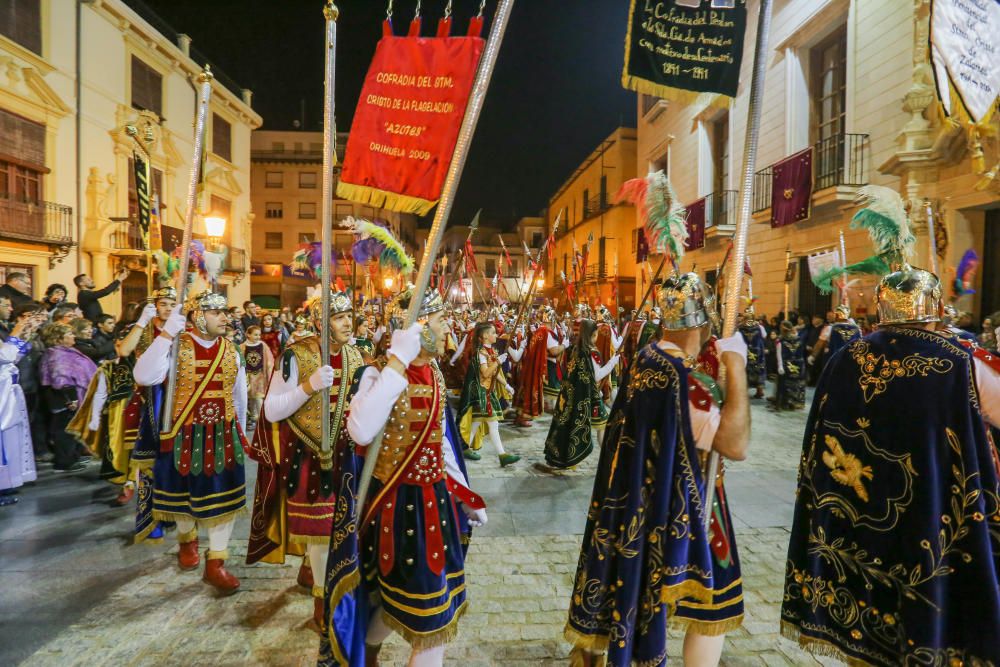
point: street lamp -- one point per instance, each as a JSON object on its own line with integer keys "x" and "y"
{"x": 215, "y": 227}
{"x": 541, "y": 283}
{"x": 388, "y": 283}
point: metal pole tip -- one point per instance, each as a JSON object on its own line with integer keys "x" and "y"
{"x": 331, "y": 12}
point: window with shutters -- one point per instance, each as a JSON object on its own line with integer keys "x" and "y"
{"x": 274, "y": 209}
{"x": 491, "y": 267}
{"x": 22, "y": 141}
{"x": 222, "y": 137}
{"x": 307, "y": 210}
{"x": 21, "y": 21}
{"x": 147, "y": 87}
{"x": 273, "y": 240}
{"x": 133, "y": 199}
{"x": 274, "y": 179}
{"x": 306, "y": 237}
{"x": 307, "y": 179}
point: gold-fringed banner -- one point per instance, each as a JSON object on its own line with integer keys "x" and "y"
{"x": 682, "y": 49}
{"x": 142, "y": 195}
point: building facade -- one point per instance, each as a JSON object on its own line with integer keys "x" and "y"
{"x": 849, "y": 82}
{"x": 587, "y": 213}
{"x": 67, "y": 190}
{"x": 286, "y": 189}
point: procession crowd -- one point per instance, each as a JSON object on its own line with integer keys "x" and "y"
{"x": 170, "y": 400}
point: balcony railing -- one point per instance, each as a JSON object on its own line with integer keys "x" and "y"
{"x": 127, "y": 236}
{"x": 721, "y": 208}
{"x": 842, "y": 159}
{"x": 36, "y": 221}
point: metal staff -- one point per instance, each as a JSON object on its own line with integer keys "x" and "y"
{"x": 788, "y": 261}
{"x": 931, "y": 239}
{"x": 331, "y": 13}
{"x": 469, "y": 122}
{"x": 534, "y": 280}
{"x": 204, "y": 95}
{"x": 843, "y": 262}
{"x": 735, "y": 279}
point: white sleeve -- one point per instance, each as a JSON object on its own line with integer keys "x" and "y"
{"x": 763, "y": 331}
{"x": 377, "y": 336}
{"x": 988, "y": 384}
{"x": 704, "y": 426}
{"x": 824, "y": 333}
{"x": 458, "y": 352}
{"x": 777, "y": 351}
{"x": 616, "y": 341}
{"x": 370, "y": 407}
{"x": 450, "y": 464}
{"x": 97, "y": 404}
{"x": 515, "y": 353}
{"x": 284, "y": 397}
{"x": 151, "y": 368}
{"x": 8, "y": 353}
{"x": 551, "y": 342}
{"x": 601, "y": 372}
{"x": 240, "y": 397}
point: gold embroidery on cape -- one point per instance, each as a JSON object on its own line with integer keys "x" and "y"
{"x": 877, "y": 371}
{"x": 846, "y": 468}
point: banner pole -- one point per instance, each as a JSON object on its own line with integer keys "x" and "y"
{"x": 204, "y": 80}
{"x": 330, "y": 13}
{"x": 931, "y": 238}
{"x": 843, "y": 262}
{"x": 788, "y": 262}
{"x": 469, "y": 123}
{"x": 735, "y": 279}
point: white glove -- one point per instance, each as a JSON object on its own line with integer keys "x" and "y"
{"x": 406, "y": 344}
{"x": 615, "y": 359}
{"x": 735, "y": 344}
{"x": 502, "y": 358}
{"x": 811, "y": 360}
{"x": 147, "y": 314}
{"x": 321, "y": 378}
{"x": 476, "y": 517}
{"x": 781, "y": 371}
{"x": 175, "y": 323}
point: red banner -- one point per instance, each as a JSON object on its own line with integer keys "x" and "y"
{"x": 696, "y": 225}
{"x": 407, "y": 121}
{"x": 791, "y": 189}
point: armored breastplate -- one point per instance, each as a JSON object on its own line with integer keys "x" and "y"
{"x": 201, "y": 399}
{"x": 411, "y": 447}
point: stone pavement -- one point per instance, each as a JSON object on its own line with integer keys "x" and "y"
{"x": 74, "y": 591}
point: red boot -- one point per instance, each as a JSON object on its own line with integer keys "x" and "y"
{"x": 305, "y": 578}
{"x": 521, "y": 422}
{"x": 217, "y": 575}
{"x": 126, "y": 495}
{"x": 187, "y": 555}
{"x": 319, "y": 617}
{"x": 371, "y": 655}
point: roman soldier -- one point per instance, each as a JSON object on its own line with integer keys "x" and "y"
{"x": 833, "y": 337}
{"x": 647, "y": 558}
{"x": 401, "y": 568}
{"x": 302, "y": 328}
{"x": 892, "y": 544}
{"x": 199, "y": 477}
{"x": 294, "y": 502}
{"x": 754, "y": 335}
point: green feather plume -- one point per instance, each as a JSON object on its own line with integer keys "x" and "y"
{"x": 885, "y": 218}
{"x": 393, "y": 254}
{"x": 873, "y": 265}
{"x": 663, "y": 217}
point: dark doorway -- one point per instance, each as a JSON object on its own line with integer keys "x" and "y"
{"x": 811, "y": 300}
{"x": 134, "y": 288}
{"x": 990, "y": 267}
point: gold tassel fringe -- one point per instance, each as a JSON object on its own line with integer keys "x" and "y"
{"x": 393, "y": 201}
{"x": 421, "y": 642}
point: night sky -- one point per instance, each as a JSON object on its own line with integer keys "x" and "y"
{"x": 555, "y": 95}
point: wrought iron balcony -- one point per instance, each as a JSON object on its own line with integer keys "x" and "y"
{"x": 840, "y": 160}
{"x": 39, "y": 221}
{"x": 721, "y": 209}
{"x": 236, "y": 261}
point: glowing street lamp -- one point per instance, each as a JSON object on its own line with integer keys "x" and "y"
{"x": 388, "y": 283}
{"x": 216, "y": 228}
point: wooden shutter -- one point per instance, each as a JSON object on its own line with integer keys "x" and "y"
{"x": 147, "y": 87}
{"x": 21, "y": 21}
{"x": 221, "y": 138}
{"x": 22, "y": 142}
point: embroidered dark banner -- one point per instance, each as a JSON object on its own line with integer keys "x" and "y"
{"x": 791, "y": 189}
{"x": 678, "y": 49}
{"x": 142, "y": 195}
{"x": 696, "y": 225}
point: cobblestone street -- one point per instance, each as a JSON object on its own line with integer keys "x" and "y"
{"x": 75, "y": 592}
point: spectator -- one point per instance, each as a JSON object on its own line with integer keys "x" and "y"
{"x": 65, "y": 313}
{"x": 130, "y": 315}
{"x": 83, "y": 331}
{"x": 104, "y": 333}
{"x": 65, "y": 374}
{"x": 5, "y": 312}
{"x": 27, "y": 378}
{"x": 89, "y": 298}
{"x": 252, "y": 316}
{"x": 236, "y": 324}
{"x": 54, "y": 296}
{"x": 17, "y": 288}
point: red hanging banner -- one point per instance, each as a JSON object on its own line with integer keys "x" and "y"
{"x": 407, "y": 121}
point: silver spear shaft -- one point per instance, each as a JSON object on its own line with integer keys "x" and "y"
{"x": 486, "y": 65}
{"x": 331, "y": 13}
{"x": 204, "y": 95}
{"x": 735, "y": 278}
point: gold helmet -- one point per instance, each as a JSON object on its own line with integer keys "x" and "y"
{"x": 843, "y": 310}
{"x": 687, "y": 302}
{"x": 339, "y": 303}
{"x": 163, "y": 293}
{"x": 398, "y": 307}
{"x": 909, "y": 296}
{"x": 199, "y": 303}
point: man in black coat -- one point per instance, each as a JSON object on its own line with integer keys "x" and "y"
{"x": 17, "y": 288}
{"x": 89, "y": 298}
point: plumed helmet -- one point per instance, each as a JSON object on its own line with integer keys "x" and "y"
{"x": 843, "y": 311}
{"x": 687, "y": 302}
{"x": 207, "y": 300}
{"x": 398, "y": 307}
{"x": 909, "y": 296}
{"x": 339, "y": 303}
